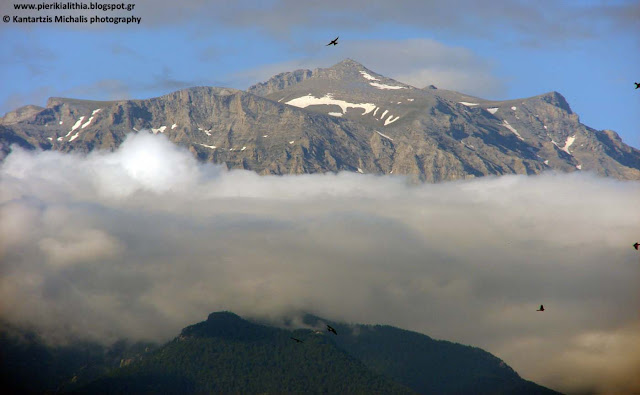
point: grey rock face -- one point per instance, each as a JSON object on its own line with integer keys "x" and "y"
{"x": 345, "y": 117}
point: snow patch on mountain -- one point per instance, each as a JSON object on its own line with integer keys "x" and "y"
{"x": 310, "y": 100}
{"x": 390, "y": 120}
{"x": 161, "y": 129}
{"x": 84, "y": 125}
{"x": 492, "y": 110}
{"x": 508, "y": 126}
{"x": 568, "y": 144}
{"x": 384, "y": 135}
{"x": 468, "y": 104}
{"x": 368, "y": 76}
{"x": 384, "y": 86}
{"x": 75, "y": 126}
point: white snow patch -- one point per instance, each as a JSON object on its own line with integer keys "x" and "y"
{"x": 506, "y": 125}
{"x": 546, "y": 162}
{"x": 265, "y": 135}
{"x": 60, "y": 138}
{"x": 493, "y": 110}
{"x": 384, "y": 113}
{"x": 579, "y": 167}
{"x": 310, "y": 100}
{"x": 50, "y": 138}
{"x": 408, "y": 100}
{"x": 84, "y": 125}
{"x": 230, "y": 149}
{"x": 514, "y": 108}
{"x": 545, "y": 126}
{"x": 360, "y": 171}
{"x": 136, "y": 129}
{"x": 368, "y": 76}
{"x": 75, "y": 126}
{"x": 389, "y": 120}
{"x": 375, "y": 111}
{"x": 291, "y": 142}
{"x": 208, "y": 132}
{"x": 60, "y": 122}
{"x": 468, "y": 104}
{"x": 243, "y": 148}
{"x": 280, "y": 100}
{"x": 161, "y": 129}
{"x": 175, "y": 125}
{"x": 336, "y": 114}
{"x": 568, "y": 143}
{"x": 96, "y": 111}
{"x": 208, "y": 146}
{"x": 383, "y": 86}
{"x": 399, "y": 102}
{"x": 384, "y": 135}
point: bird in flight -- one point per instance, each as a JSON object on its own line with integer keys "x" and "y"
{"x": 636, "y": 245}
{"x": 333, "y": 42}
{"x": 637, "y": 83}
{"x": 541, "y": 308}
{"x": 297, "y": 340}
{"x": 330, "y": 329}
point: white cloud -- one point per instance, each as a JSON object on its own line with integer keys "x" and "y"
{"x": 144, "y": 241}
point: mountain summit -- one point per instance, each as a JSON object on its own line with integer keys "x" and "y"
{"x": 229, "y": 354}
{"x": 342, "y": 118}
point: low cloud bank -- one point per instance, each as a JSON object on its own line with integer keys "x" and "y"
{"x": 145, "y": 240}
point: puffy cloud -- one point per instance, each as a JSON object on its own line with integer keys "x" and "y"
{"x": 143, "y": 241}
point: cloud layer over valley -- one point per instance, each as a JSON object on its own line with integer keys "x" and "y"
{"x": 145, "y": 240}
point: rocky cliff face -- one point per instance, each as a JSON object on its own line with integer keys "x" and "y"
{"x": 342, "y": 118}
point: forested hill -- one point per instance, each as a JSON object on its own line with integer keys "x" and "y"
{"x": 228, "y": 354}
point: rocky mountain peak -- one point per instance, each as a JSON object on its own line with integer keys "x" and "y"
{"x": 556, "y": 99}
{"x": 344, "y": 117}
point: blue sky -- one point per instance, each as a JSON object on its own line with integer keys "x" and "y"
{"x": 586, "y": 50}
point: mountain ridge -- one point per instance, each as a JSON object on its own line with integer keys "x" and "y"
{"x": 228, "y": 353}
{"x": 342, "y": 118}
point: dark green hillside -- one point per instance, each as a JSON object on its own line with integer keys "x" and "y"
{"x": 227, "y": 354}
{"x": 28, "y": 365}
{"x": 427, "y": 365}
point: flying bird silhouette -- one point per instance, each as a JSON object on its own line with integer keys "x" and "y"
{"x": 637, "y": 83}
{"x": 333, "y": 42}
{"x": 297, "y": 340}
{"x": 541, "y": 308}
{"x": 330, "y": 329}
{"x": 636, "y": 245}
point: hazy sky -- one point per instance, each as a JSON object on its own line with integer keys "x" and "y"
{"x": 144, "y": 241}
{"x": 587, "y": 50}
